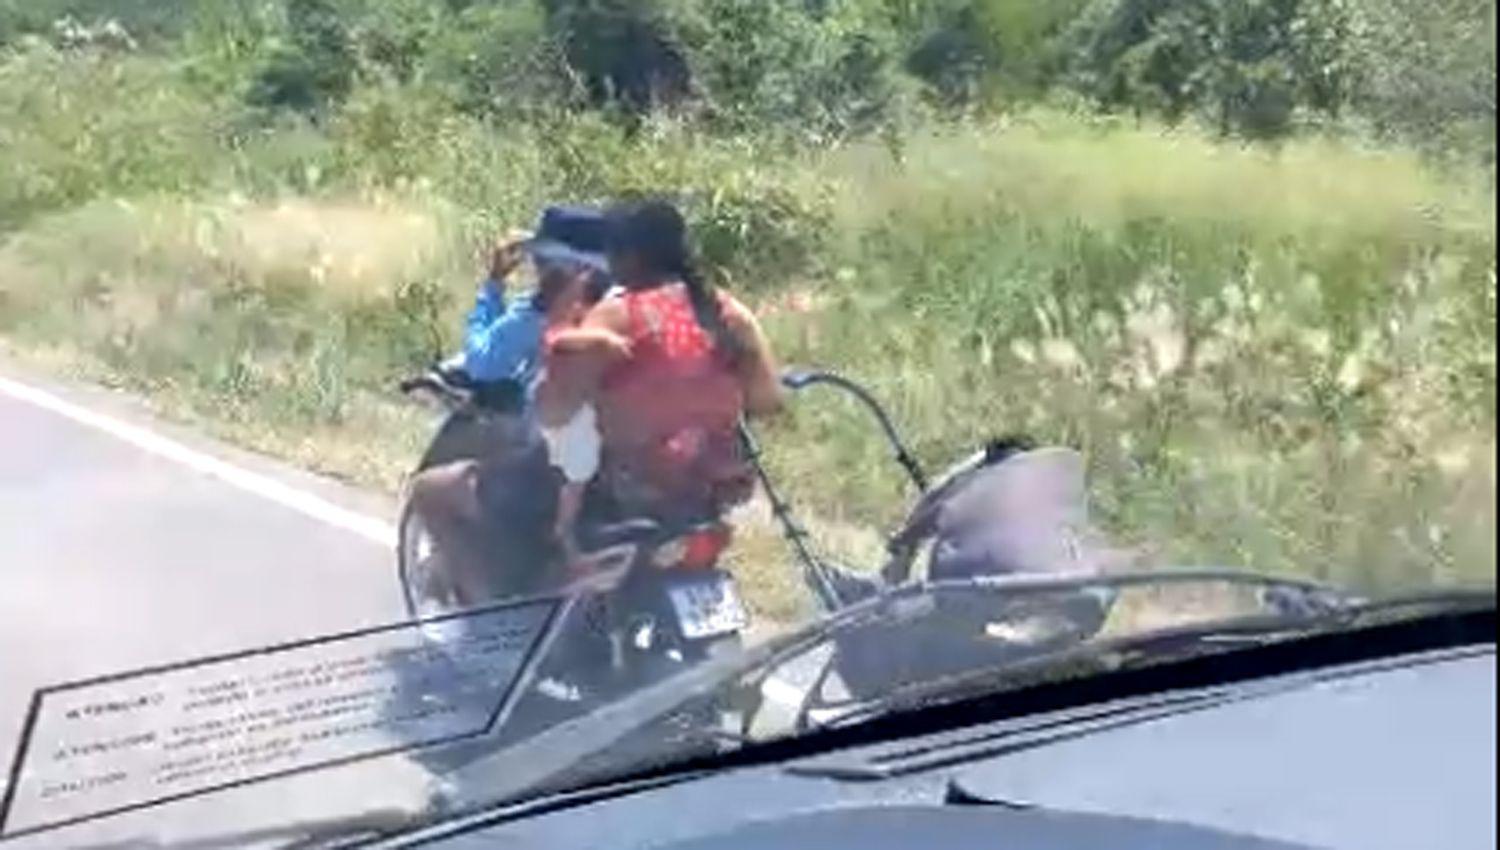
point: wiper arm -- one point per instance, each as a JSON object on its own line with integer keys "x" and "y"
{"x": 1101, "y": 656}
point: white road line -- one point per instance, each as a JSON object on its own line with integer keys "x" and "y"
{"x": 374, "y": 530}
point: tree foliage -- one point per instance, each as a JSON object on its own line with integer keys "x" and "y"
{"x": 1245, "y": 65}
{"x": 314, "y": 67}
{"x": 1423, "y": 70}
{"x": 625, "y": 51}
{"x": 1430, "y": 71}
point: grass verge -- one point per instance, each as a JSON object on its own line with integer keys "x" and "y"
{"x": 1282, "y": 360}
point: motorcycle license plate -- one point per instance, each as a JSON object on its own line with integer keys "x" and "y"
{"x": 708, "y": 607}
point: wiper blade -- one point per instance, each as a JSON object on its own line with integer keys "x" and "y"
{"x": 1111, "y": 654}
{"x": 903, "y": 601}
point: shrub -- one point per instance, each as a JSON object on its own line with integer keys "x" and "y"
{"x": 626, "y": 52}
{"x": 75, "y": 126}
{"x": 825, "y": 73}
{"x": 314, "y": 69}
{"x": 759, "y": 213}
{"x": 1244, "y": 65}
{"x": 504, "y": 62}
{"x": 149, "y": 20}
{"x": 1428, "y": 74}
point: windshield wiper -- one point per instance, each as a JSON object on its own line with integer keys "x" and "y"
{"x": 907, "y": 601}
{"x": 1160, "y": 646}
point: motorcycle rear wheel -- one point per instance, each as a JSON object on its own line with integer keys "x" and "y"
{"x": 423, "y": 588}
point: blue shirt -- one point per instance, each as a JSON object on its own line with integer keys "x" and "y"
{"x": 503, "y": 340}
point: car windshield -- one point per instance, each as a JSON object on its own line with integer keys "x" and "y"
{"x": 413, "y": 407}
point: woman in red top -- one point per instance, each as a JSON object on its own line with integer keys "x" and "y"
{"x": 669, "y": 402}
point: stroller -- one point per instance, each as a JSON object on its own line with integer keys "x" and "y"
{"x": 1009, "y": 512}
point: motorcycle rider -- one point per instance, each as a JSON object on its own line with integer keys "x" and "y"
{"x": 502, "y": 339}
{"x": 696, "y": 361}
{"x": 502, "y": 506}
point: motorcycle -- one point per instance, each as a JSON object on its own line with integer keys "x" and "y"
{"x": 651, "y": 597}
{"x": 657, "y": 600}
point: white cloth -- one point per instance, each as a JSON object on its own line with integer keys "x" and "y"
{"x": 1025, "y": 514}
{"x": 574, "y": 446}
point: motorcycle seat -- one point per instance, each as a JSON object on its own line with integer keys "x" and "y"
{"x": 640, "y": 531}
{"x": 595, "y": 537}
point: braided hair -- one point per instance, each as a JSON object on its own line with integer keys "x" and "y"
{"x": 656, "y": 233}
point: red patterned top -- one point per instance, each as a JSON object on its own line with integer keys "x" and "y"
{"x": 670, "y": 412}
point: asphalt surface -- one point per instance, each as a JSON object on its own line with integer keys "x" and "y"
{"x": 114, "y": 558}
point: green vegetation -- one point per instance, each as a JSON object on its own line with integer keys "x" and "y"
{"x": 1242, "y": 253}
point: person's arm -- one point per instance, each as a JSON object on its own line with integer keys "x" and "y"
{"x": 571, "y": 381}
{"x": 760, "y": 377}
{"x": 500, "y": 338}
{"x": 596, "y": 342}
{"x": 489, "y": 305}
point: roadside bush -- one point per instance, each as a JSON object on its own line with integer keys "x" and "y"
{"x": 759, "y": 214}
{"x": 75, "y": 126}
{"x": 1429, "y": 75}
{"x": 504, "y": 62}
{"x": 147, "y": 20}
{"x": 626, "y": 53}
{"x": 314, "y": 68}
{"x": 273, "y": 322}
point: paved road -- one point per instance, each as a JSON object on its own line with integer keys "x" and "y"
{"x": 113, "y": 557}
